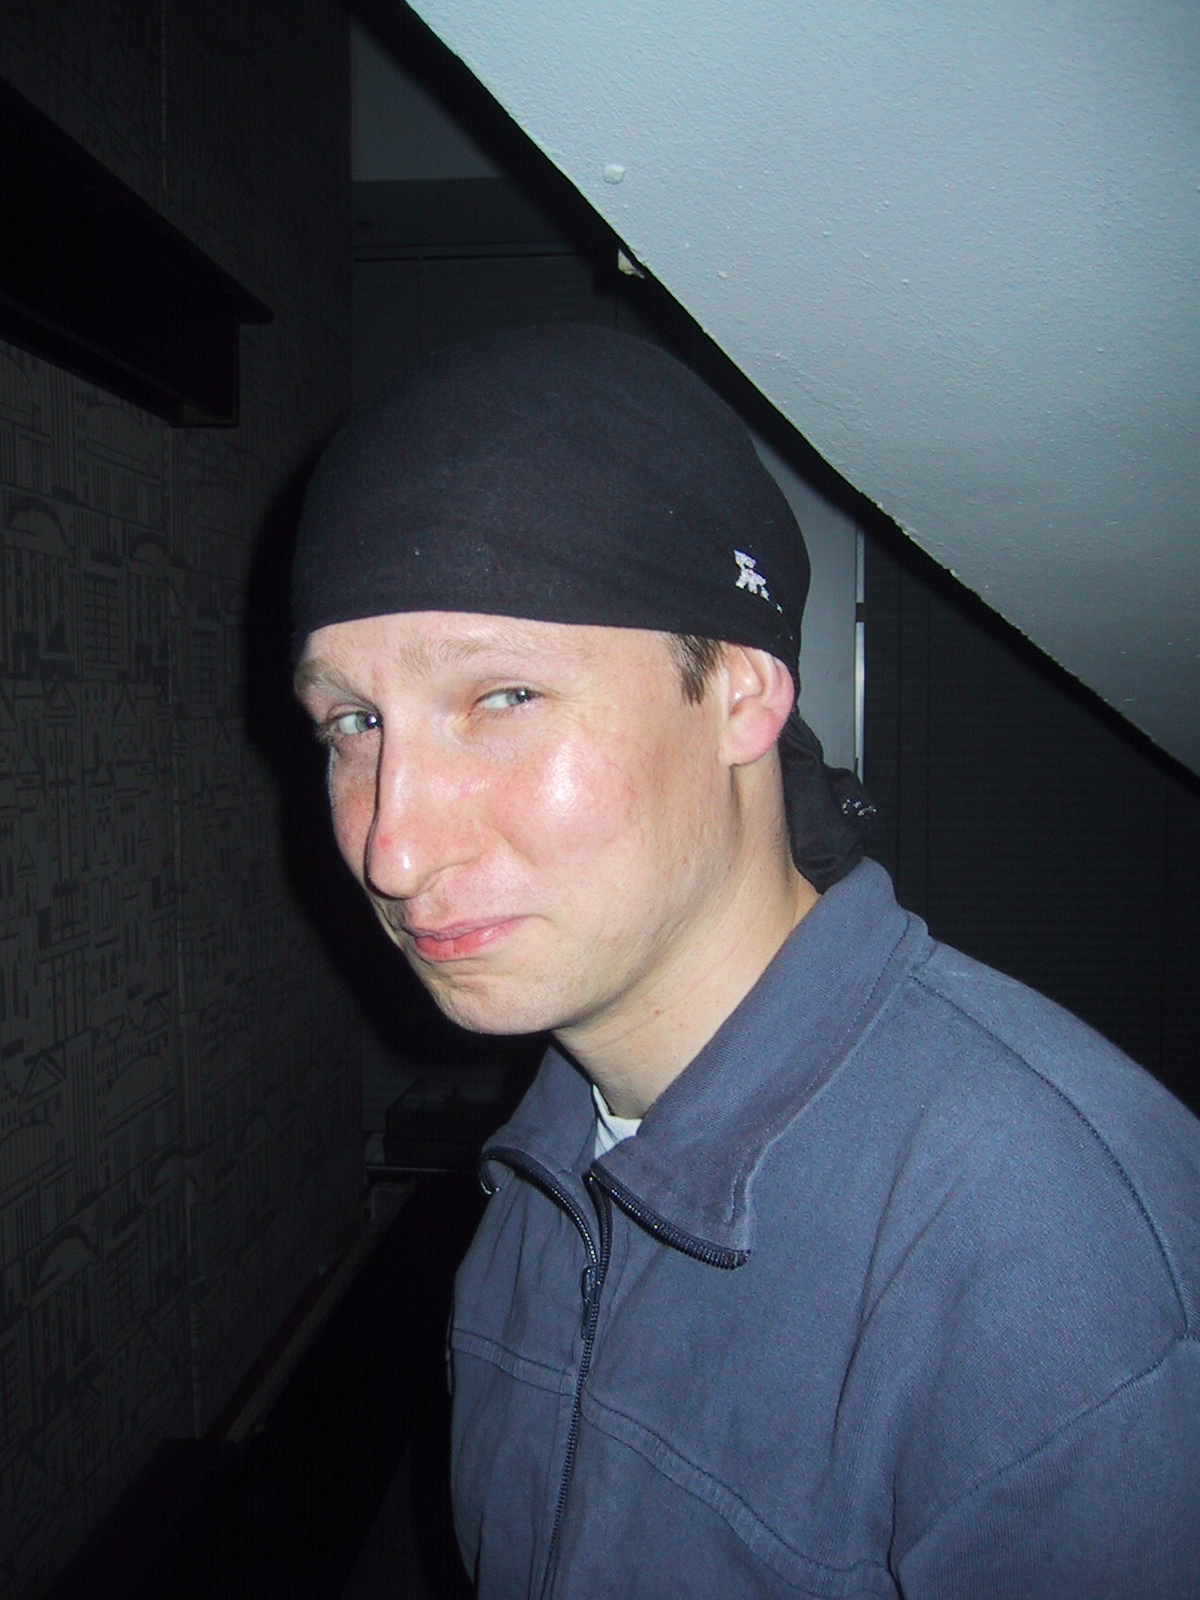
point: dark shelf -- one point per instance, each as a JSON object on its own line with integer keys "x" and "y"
{"x": 448, "y": 1134}
{"x": 284, "y": 1513}
{"x": 95, "y": 280}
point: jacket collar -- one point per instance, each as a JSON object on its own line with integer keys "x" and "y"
{"x": 688, "y": 1174}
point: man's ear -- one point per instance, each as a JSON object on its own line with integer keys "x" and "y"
{"x": 757, "y": 692}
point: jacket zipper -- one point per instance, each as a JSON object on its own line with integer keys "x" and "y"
{"x": 713, "y": 1255}
{"x": 591, "y": 1285}
{"x": 594, "y": 1275}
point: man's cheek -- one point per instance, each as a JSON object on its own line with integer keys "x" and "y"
{"x": 572, "y": 804}
{"x": 352, "y": 818}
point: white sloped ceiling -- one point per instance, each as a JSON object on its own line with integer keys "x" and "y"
{"x": 957, "y": 244}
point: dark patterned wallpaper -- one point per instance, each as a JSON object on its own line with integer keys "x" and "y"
{"x": 179, "y": 1071}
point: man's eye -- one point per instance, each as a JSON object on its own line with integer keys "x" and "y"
{"x": 505, "y": 699}
{"x": 352, "y": 723}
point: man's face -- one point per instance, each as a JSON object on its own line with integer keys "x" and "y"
{"x": 538, "y": 816}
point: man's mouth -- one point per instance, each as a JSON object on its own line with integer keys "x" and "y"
{"x": 460, "y": 940}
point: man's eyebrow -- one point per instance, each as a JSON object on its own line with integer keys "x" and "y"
{"x": 318, "y": 674}
{"x": 425, "y": 655}
{"x": 422, "y": 656}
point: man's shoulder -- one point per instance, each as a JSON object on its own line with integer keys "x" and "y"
{"x": 1005, "y": 1020}
{"x": 1045, "y": 1112}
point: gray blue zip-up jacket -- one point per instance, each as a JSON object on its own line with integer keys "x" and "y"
{"x": 894, "y": 1293}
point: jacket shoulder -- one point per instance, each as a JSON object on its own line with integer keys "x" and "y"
{"x": 1147, "y": 1137}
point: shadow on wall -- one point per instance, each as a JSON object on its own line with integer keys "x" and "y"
{"x": 405, "y": 1020}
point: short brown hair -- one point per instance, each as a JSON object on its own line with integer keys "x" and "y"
{"x": 697, "y": 660}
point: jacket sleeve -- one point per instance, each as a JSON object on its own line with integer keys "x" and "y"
{"x": 1108, "y": 1508}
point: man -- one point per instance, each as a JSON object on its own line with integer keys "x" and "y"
{"x": 819, "y": 1260}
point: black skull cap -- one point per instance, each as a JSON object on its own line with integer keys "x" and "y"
{"x": 561, "y": 474}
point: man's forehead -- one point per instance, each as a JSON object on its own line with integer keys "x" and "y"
{"x": 421, "y": 643}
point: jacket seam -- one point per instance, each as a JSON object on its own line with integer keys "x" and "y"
{"x": 1027, "y": 1456}
{"x": 522, "y": 1368}
{"x": 1097, "y": 1137}
{"x": 841, "y": 1575}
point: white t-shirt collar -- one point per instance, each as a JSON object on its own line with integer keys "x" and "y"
{"x": 610, "y": 1130}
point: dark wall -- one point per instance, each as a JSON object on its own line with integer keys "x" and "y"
{"x": 179, "y": 1083}
{"x": 1026, "y": 823}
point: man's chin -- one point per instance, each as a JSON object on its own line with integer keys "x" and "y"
{"x": 489, "y": 1004}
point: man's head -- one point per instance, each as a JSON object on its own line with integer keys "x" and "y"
{"x": 548, "y": 606}
{"x": 542, "y": 816}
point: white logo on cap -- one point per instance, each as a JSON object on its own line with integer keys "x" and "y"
{"x": 749, "y": 577}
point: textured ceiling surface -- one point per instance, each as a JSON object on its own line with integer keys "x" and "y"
{"x": 956, "y": 245}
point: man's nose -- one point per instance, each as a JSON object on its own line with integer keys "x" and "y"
{"x": 424, "y": 822}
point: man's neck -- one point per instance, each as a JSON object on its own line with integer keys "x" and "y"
{"x": 635, "y": 1053}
